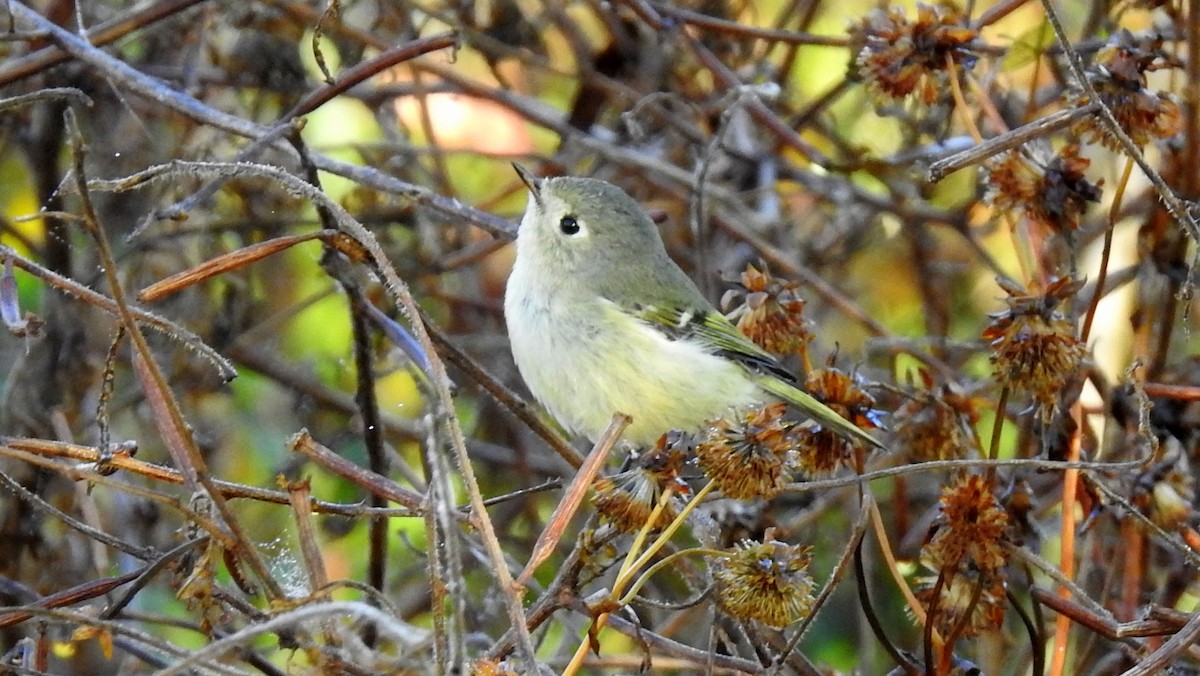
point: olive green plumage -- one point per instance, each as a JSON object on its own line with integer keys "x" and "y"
{"x": 603, "y": 321}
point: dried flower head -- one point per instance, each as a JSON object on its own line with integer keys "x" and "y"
{"x": 974, "y": 595}
{"x": 625, "y": 500}
{"x": 1119, "y": 78}
{"x": 937, "y": 423}
{"x": 901, "y": 57}
{"x": 1034, "y": 348}
{"x": 769, "y": 312}
{"x": 822, "y": 451}
{"x": 1051, "y": 191}
{"x": 752, "y": 457}
{"x": 486, "y": 667}
{"x": 767, "y": 581}
{"x": 970, "y": 528}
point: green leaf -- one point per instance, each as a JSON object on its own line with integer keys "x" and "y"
{"x": 1027, "y": 48}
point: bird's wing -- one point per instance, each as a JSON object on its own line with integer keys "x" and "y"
{"x": 711, "y": 328}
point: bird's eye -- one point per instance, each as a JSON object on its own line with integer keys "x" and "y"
{"x": 568, "y": 225}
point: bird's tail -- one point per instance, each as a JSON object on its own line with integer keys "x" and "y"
{"x": 814, "y": 409}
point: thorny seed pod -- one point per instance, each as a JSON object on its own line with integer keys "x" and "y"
{"x": 937, "y": 423}
{"x": 981, "y": 594}
{"x": 1119, "y": 78}
{"x": 767, "y": 581}
{"x": 969, "y": 529}
{"x": 1050, "y": 189}
{"x": 752, "y": 457}
{"x": 625, "y": 500}
{"x": 901, "y": 57}
{"x": 822, "y": 451}
{"x": 1034, "y": 348}
{"x": 769, "y": 312}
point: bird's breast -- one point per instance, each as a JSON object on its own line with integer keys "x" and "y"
{"x": 587, "y": 359}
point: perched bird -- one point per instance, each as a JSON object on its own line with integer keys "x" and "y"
{"x": 602, "y": 321}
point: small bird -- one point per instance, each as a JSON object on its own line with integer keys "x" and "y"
{"x": 602, "y": 321}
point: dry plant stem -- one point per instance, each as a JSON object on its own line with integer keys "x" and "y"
{"x": 997, "y": 428}
{"x": 636, "y": 587}
{"x": 69, "y": 94}
{"x": 839, "y": 570}
{"x": 1062, "y": 624}
{"x": 223, "y": 263}
{"x": 894, "y": 568}
{"x": 1008, "y": 141}
{"x": 442, "y": 555}
{"x": 443, "y": 405}
{"x": 300, "y": 496}
{"x": 122, "y": 461}
{"x": 118, "y": 604}
{"x": 932, "y": 666}
{"x": 1132, "y": 567}
{"x": 947, "y": 656}
{"x": 1172, "y": 391}
{"x": 733, "y": 28}
{"x": 1177, "y": 208}
{"x": 85, "y": 592}
{"x": 949, "y": 465}
{"x": 173, "y": 427}
{"x": 1106, "y": 251}
{"x": 122, "y": 629}
{"x": 960, "y": 103}
{"x": 304, "y": 444}
{"x": 563, "y": 588}
{"x": 123, "y": 76}
{"x": 864, "y": 600}
{"x": 703, "y": 660}
{"x": 161, "y": 324}
{"x": 100, "y": 35}
{"x": 372, "y": 432}
{"x": 1181, "y": 547}
{"x": 1037, "y": 643}
{"x": 290, "y": 122}
{"x": 75, "y": 474}
{"x": 572, "y": 497}
{"x": 392, "y": 627}
{"x": 1102, "y": 623}
{"x": 630, "y": 567}
{"x": 95, "y": 535}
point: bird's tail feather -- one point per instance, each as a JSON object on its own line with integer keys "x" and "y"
{"x": 819, "y": 412}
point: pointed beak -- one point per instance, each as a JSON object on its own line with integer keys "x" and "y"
{"x": 533, "y": 182}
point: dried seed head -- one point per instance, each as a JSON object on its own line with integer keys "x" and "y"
{"x": 901, "y": 57}
{"x": 767, "y": 581}
{"x": 822, "y": 451}
{"x": 751, "y": 457}
{"x": 769, "y": 312}
{"x": 981, "y": 594}
{"x": 1034, "y": 348}
{"x": 1051, "y": 191}
{"x": 625, "y": 500}
{"x": 485, "y": 667}
{"x": 970, "y": 528}
{"x": 937, "y": 423}
{"x": 1119, "y": 78}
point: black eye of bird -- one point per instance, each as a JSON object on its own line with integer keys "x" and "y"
{"x": 568, "y": 225}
